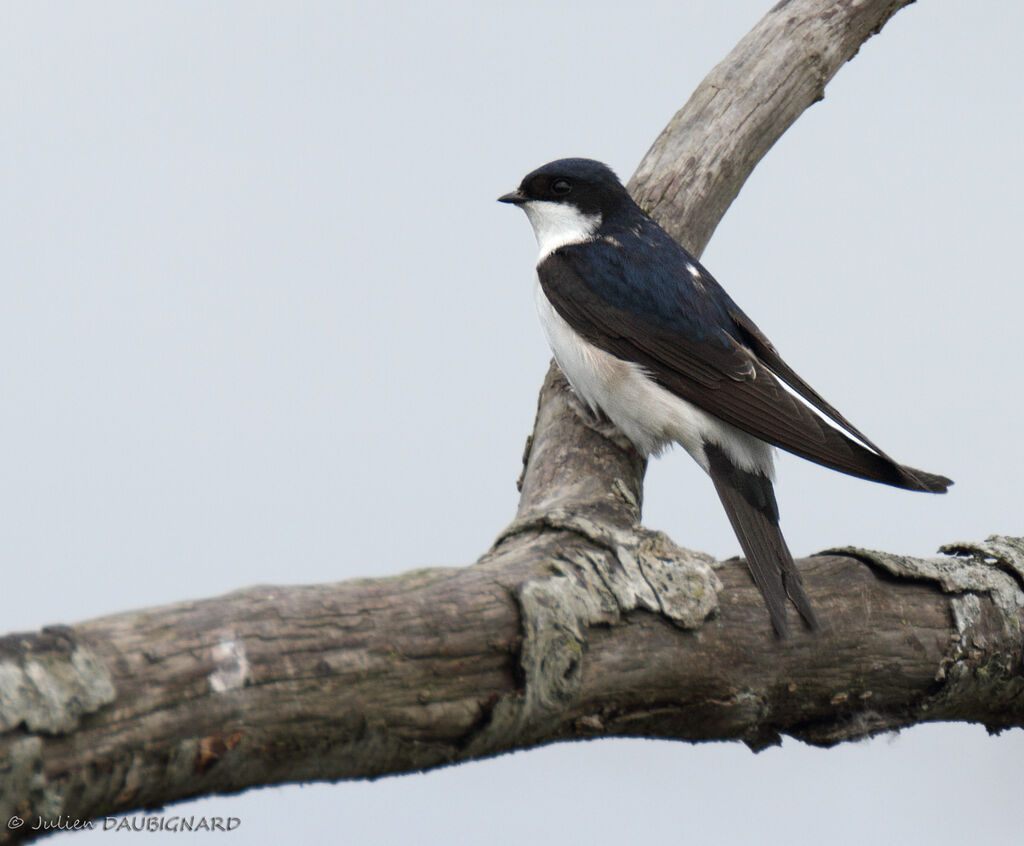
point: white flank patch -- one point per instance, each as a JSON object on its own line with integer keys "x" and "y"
{"x": 650, "y": 416}
{"x": 558, "y": 224}
{"x": 821, "y": 415}
{"x": 698, "y": 277}
{"x": 232, "y": 666}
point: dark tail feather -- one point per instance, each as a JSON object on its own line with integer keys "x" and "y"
{"x": 750, "y": 504}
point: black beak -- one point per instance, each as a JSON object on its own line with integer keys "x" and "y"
{"x": 517, "y": 197}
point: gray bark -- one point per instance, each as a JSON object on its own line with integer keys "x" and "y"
{"x": 577, "y": 623}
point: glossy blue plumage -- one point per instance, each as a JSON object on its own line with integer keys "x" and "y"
{"x": 635, "y": 265}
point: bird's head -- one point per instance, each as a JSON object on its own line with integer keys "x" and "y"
{"x": 567, "y": 200}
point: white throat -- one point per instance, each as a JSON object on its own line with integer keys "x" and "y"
{"x": 558, "y": 224}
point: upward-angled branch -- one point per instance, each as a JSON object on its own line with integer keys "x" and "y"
{"x": 699, "y": 162}
{"x": 577, "y": 623}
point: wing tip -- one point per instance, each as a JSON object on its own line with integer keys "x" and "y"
{"x": 921, "y": 480}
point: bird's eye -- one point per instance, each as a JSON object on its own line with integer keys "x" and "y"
{"x": 561, "y": 186}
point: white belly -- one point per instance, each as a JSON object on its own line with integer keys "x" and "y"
{"x": 650, "y": 416}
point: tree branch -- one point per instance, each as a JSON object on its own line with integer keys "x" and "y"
{"x": 577, "y": 623}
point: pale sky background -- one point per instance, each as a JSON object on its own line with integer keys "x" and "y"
{"x": 263, "y": 321}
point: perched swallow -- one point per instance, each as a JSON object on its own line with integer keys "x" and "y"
{"x": 646, "y": 335}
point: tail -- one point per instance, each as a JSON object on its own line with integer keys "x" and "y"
{"x": 749, "y": 502}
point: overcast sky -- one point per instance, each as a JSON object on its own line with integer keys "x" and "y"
{"x": 263, "y": 321}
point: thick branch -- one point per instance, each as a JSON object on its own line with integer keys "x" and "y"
{"x": 540, "y": 642}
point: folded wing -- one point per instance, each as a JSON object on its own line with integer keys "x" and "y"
{"x": 695, "y": 342}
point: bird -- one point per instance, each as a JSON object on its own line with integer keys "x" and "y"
{"x": 645, "y": 335}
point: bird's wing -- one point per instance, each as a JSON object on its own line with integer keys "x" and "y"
{"x": 759, "y": 344}
{"x": 691, "y": 338}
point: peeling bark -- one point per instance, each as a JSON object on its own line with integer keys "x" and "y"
{"x": 578, "y": 622}
{"x": 558, "y": 633}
